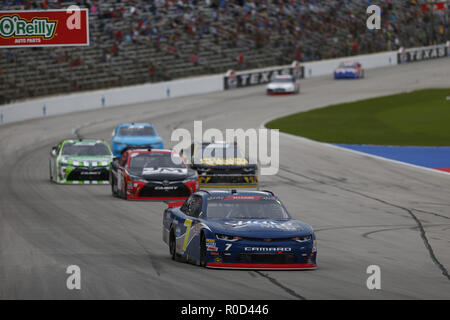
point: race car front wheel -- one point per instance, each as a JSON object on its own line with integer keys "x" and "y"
{"x": 172, "y": 245}
{"x": 203, "y": 251}
{"x": 113, "y": 188}
{"x": 50, "y": 171}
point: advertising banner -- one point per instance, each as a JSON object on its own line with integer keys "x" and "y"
{"x": 44, "y": 28}
{"x": 420, "y": 54}
{"x": 234, "y": 80}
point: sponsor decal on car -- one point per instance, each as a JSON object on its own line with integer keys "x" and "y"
{"x": 267, "y": 249}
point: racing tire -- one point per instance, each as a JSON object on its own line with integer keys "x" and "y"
{"x": 172, "y": 245}
{"x": 113, "y": 188}
{"x": 50, "y": 171}
{"x": 203, "y": 250}
{"x": 123, "y": 192}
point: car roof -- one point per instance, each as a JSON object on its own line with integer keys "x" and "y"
{"x": 83, "y": 140}
{"x": 135, "y": 125}
{"x": 283, "y": 76}
{"x": 145, "y": 150}
{"x": 218, "y": 193}
{"x": 349, "y": 63}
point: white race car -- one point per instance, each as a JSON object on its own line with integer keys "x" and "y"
{"x": 283, "y": 84}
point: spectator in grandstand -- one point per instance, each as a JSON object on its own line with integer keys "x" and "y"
{"x": 240, "y": 60}
{"x": 194, "y": 58}
{"x": 151, "y": 72}
{"x": 10, "y": 56}
{"x": 76, "y": 62}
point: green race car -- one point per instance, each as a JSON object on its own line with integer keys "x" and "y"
{"x": 83, "y": 161}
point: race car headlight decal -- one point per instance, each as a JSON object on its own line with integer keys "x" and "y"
{"x": 248, "y": 170}
{"x": 136, "y": 178}
{"x": 227, "y": 238}
{"x": 302, "y": 238}
{"x": 191, "y": 179}
{"x": 119, "y": 146}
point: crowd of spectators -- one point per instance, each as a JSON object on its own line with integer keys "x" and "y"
{"x": 301, "y": 30}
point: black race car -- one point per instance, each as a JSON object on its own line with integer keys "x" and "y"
{"x": 221, "y": 164}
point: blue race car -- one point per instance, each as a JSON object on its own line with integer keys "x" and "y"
{"x": 238, "y": 230}
{"x": 135, "y": 135}
{"x": 349, "y": 70}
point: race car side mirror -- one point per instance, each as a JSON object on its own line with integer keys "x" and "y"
{"x": 54, "y": 151}
{"x": 113, "y": 133}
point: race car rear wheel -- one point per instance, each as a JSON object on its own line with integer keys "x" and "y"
{"x": 203, "y": 250}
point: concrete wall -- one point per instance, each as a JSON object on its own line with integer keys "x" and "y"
{"x": 49, "y": 106}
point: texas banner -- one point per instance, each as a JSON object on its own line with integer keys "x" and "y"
{"x": 44, "y": 28}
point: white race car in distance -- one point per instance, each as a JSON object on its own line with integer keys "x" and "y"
{"x": 284, "y": 84}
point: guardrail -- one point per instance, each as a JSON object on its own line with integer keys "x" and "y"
{"x": 75, "y": 102}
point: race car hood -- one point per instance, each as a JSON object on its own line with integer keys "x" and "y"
{"x": 87, "y": 161}
{"x": 260, "y": 228}
{"x": 223, "y": 162}
{"x": 286, "y": 86}
{"x": 161, "y": 174}
{"x": 138, "y": 141}
{"x": 340, "y": 70}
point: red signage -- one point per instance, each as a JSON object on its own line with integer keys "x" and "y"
{"x": 44, "y": 28}
{"x": 434, "y": 6}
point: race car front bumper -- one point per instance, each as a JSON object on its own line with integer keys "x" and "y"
{"x": 228, "y": 181}
{"x": 83, "y": 175}
{"x": 338, "y": 76}
{"x": 159, "y": 191}
{"x": 279, "y": 91}
{"x": 259, "y": 266}
{"x": 267, "y": 254}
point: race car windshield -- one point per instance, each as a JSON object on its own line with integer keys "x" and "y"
{"x": 222, "y": 152}
{"x": 347, "y": 66}
{"x": 85, "y": 149}
{"x": 155, "y": 160}
{"x": 283, "y": 80}
{"x": 258, "y": 208}
{"x": 136, "y": 131}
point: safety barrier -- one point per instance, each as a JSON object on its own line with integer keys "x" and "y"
{"x": 75, "y": 102}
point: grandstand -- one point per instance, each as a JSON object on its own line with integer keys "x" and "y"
{"x": 138, "y": 41}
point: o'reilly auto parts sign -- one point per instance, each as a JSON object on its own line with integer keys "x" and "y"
{"x": 234, "y": 80}
{"x": 420, "y": 54}
{"x": 44, "y": 28}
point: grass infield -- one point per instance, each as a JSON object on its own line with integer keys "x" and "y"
{"x": 419, "y": 118}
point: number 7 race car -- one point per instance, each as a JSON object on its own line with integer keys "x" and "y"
{"x": 245, "y": 230}
{"x": 146, "y": 174}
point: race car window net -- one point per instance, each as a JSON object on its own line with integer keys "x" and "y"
{"x": 225, "y": 152}
{"x": 78, "y": 149}
{"x": 136, "y": 131}
{"x": 154, "y": 160}
{"x": 246, "y": 209}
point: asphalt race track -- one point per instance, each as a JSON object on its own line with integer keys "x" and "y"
{"x": 365, "y": 211}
